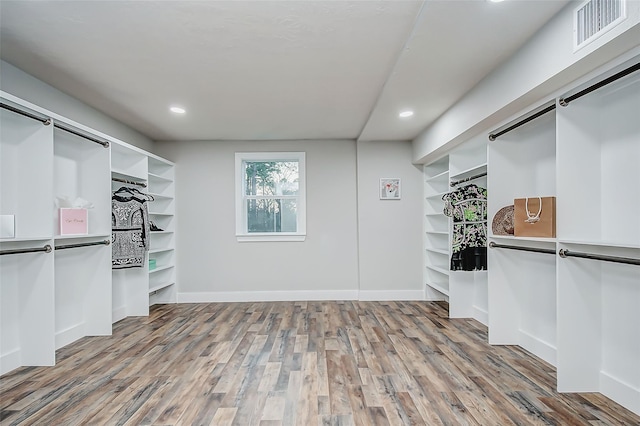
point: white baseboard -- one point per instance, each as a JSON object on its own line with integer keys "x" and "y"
{"x": 537, "y": 346}
{"x": 266, "y": 296}
{"x": 621, "y": 392}
{"x": 70, "y": 335}
{"x": 390, "y": 295}
{"x": 9, "y": 361}
{"x": 481, "y": 315}
{"x": 118, "y": 314}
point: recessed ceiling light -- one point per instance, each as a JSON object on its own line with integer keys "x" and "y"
{"x": 406, "y": 114}
{"x": 496, "y": 1}
{"x": 177, "y": 110}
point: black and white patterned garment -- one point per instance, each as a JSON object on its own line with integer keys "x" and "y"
{"x": 468, "y": 208}
{"x": 130, "y": 232}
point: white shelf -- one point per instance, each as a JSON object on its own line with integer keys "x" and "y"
{"x": 439, "y": 288}
{"x": 161, "y": 232}
{"x": 480, "y": 168}
{"x": 437, "y": 232}
{"x": 160, "y": 287}
{"x": 161, "y": 250}
{"x": 18, "y": 240}
{"x": 81, "y": 236}
{"x": 161, "y": 214}
{"x": 438, "y": 269}
{"x": 160, "y": 196}
{"x": 600, "y": 244}
{"x": 153, "y": 176}
{"x": 438, "y": 176}
{"x": 512, "y": 238}
{"x": 161, "y": 268}
{"x": 128, "y": 176}
{"x": 439, "y": 251}
{"x": 435, "y": 196}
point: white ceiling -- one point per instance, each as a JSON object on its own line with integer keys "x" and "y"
{"x": 253, "y": 70}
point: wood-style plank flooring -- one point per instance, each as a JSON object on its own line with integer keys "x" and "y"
{"x": 297, "y": 363}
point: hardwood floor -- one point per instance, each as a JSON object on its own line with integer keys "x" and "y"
{"x": 306, "y": 363}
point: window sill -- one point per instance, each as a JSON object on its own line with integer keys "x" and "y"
{"x": 281, "y": 237}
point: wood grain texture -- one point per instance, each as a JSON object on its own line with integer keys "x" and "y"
{"x": 297, "y": 363}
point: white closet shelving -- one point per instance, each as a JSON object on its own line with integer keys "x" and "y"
{"x": 436, "y": 229}
{"x": 580, "y": 314}
{"x": 468, "y": 296}
{"x": 599, "y": 301}
{"x": 82, "y": 274}
{"x": 466, "y": 291}
{"x": 522, "y": 292}
{"x": 55, "y": 288}
{"x": 27, "y": 313}
{"x": 135, "y": 289}
{"x": 161, "y": 211}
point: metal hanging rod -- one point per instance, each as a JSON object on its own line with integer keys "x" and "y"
{"x": 458, "y": 182}
{"x": 533, "y": 249}
{"x": 564, "y": 253}
{"x": 494, "y": 136}
{"x": 45, "y": 121}
{"x": 89, "y": 138}
{"x": 46, "y": 249}
{"x": 95, "y": 243}
{"x": 130, "y": 182}
{"x": 565, "y": 101}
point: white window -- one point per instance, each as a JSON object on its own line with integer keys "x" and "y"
{"x": 270, "y": 196}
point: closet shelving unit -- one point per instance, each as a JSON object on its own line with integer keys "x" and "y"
{"x": 161, "y": 186}
{"x": 468, "y": 290}
{"x": 135, "y": 289}
{"x": 436, "y": 230}
{"x": 599, "y": 301}
{"x": 522, "y": 293}
{"x": 27, "y": 321}
{"x": 82, "y": 269}
{"x": 577, "y": 305}
{"x": 55, "y": 289}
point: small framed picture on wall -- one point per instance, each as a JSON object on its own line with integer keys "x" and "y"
{"x": 390, "y": 188}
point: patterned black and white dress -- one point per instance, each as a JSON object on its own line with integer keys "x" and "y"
{"x": 468, "y": 208}
{"x": 130, "y": 232}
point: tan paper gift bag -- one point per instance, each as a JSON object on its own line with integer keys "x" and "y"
{"x": 535, "y": 217}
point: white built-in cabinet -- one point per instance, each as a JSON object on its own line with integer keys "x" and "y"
{"x": 466, "y": 291}
{"x": 135, "y": 289}
{"x": 55, "y": 289}
{"x": 582, "y": 315}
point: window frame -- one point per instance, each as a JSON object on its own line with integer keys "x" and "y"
{"x": 242, "y": 234}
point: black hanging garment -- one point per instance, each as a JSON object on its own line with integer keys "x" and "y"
{"x": 130, "y": 228}
{"x": 468, "y": 208}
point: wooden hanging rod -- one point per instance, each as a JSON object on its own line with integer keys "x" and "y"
{"x": 46, "y": 249}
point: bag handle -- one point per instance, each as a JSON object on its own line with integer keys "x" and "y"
{"x": 531, "y": 218}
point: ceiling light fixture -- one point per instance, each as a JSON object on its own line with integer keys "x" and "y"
{"x": 177, "y": 110}
{"x": 406, "y": 114}
{"x": 496, "y": 1}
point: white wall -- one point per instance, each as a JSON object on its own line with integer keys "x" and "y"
{"x": 25, "y": 86}
{"x": 390, "y": 231}
{"x": 545, "y": 64}
{"x": 213, "y": 266}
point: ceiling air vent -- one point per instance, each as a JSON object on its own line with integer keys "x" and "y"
{"x": 595, "y": 17}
